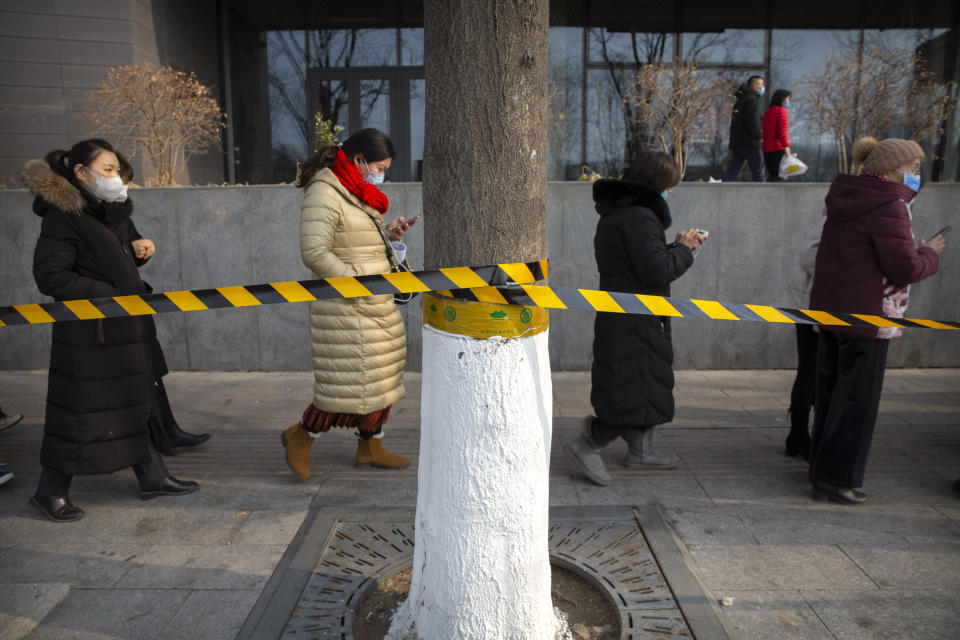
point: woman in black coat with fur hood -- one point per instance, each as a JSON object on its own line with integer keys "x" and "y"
{"x": 632, "y": 375}
{"x": 101, "y": 386}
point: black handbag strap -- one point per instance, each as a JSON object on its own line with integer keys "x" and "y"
{"x": 391, "y": 256}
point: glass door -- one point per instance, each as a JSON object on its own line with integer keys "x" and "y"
{"x": 389, "y": 99}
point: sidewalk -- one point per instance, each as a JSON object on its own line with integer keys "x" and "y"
{"x": 193, "y": 567}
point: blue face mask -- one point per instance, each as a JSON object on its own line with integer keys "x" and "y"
{"x": 664, "y": 195}
{"x": 912, "y": 180}
{"x": 762, "y": 91}
{"x": 786, "y": 104}
{"x": 376, "y": 179}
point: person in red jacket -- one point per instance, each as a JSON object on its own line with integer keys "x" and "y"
{"x": 865, "y": 263}
{"x": 776, "y": 133}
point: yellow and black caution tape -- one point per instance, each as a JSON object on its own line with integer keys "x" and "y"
{"x": 466, "y": 278}
{"x": 639, "y": 304}
{"x": 507, "y": 283}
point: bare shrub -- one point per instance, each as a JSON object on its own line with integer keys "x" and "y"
{"x": 874, "y": 90}
{"x": 163, "y": 112}
{"x": 676, "y": 103}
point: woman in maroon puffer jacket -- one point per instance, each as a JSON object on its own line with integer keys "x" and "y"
{"x": 866, "y": 261}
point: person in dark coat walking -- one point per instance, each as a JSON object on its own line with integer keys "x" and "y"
{"x": 99, "y": 384}
{"x": 807, "y": 338}
{"x": 632, "y": 375}
{"x": 165, "y": 432}
{"x": 746, "y": 131}
{"x": 865, "y": 263}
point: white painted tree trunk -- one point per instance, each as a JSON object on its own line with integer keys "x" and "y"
{"x": 481, "y": 566}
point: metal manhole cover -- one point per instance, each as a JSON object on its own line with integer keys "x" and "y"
{"x": 613, "y": 556}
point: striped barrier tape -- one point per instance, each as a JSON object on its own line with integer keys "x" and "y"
{"x": 472, "y": 283}
{"x": 277, "y": 293}
{"x": 639, "y": 304}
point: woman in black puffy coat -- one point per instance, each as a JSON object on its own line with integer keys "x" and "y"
{"x": 101, "y": 379}
{"x": 632, "y": 375}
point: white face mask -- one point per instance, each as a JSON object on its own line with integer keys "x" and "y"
{"x": 108, "y": 189}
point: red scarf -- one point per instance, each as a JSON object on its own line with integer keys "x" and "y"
{"x": 350, "y": 177}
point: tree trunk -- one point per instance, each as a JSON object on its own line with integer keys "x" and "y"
{"x": 481, "y": 561}
{"x": 485, "y": 146}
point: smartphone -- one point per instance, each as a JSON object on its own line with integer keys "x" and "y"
{"x": 703, "y": 233}
{"x": 942, "y": 232}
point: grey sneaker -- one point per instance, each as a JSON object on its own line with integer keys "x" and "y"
{"x": 642, "y": 455}
{"x": 8, "y": 421}
{"x": 587, "y": 456}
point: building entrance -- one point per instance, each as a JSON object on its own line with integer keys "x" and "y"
{"x": 387, "y": 98}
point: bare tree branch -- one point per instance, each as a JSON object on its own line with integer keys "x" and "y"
{"x": 161, "y": 111}
{"x": 875, "y": 90}
{"x": 677, "y": 102}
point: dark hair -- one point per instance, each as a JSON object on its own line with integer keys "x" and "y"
{"x": 83, "y": 153}
{"x": 656, "y": 170}
{"x": 779, "y": 97}
{"x": 124, "y": 170}
{"x": 372, "y": 144}
{"x": 752, "y": 78}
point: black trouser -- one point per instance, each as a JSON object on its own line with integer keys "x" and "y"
{"x": 603, "y": 433}
{"x": 805, "y": 383}
{"x": 849, "y": 384}
{"x": 163, "y": 426}
{"x": 55, "y": 484}
{"x": 752, "y": 156}
{"x": 772, "y": 160}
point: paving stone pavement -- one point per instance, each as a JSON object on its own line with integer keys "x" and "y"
{"x": 194, "y": 567}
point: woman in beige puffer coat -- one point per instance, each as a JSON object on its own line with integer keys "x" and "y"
{"x": 358, "y": 344}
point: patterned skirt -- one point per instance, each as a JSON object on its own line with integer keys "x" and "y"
{"x": 317, "y": 421}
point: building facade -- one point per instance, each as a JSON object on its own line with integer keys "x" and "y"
{"x": 276, "y": 64}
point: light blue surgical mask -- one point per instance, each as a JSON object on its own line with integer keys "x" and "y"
{"x": 762, "y": 91}
{"x": 664, "y": 194}
{"x": 376, "y": 179}
{"x": 912, "y": 180}
{"x": 786, "y": 103}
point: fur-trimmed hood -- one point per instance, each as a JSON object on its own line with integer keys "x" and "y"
{"x": 51, "y": 189}
{"x": 610, "y": 195}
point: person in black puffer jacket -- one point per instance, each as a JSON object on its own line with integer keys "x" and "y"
{"x": 101, "y": 372}
{"x": 746, "y": 131}
{"x": 632, "y": 375}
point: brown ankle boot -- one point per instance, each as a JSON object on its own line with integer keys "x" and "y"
{"x": 297, "y": 442}
{"x": 372, "y": 452}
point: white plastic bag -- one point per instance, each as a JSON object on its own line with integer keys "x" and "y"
{"x": 791, "y": 165}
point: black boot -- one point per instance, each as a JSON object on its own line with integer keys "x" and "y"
{"x": 156, "y": 481}
{"x": 167, "y": 435}
{"x": 180, "y": 439}
{"x": 823, "y": 491}
{"x": 51, "y": 497}
{"x": 58, "y": 509}
{"x": 169, "y": 486}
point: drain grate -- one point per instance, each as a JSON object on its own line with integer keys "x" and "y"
{"x": 614, "y": 556}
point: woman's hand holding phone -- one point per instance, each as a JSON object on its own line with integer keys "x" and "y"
{"x": 398, "y": 227}
{"x": 691, "y": 239}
